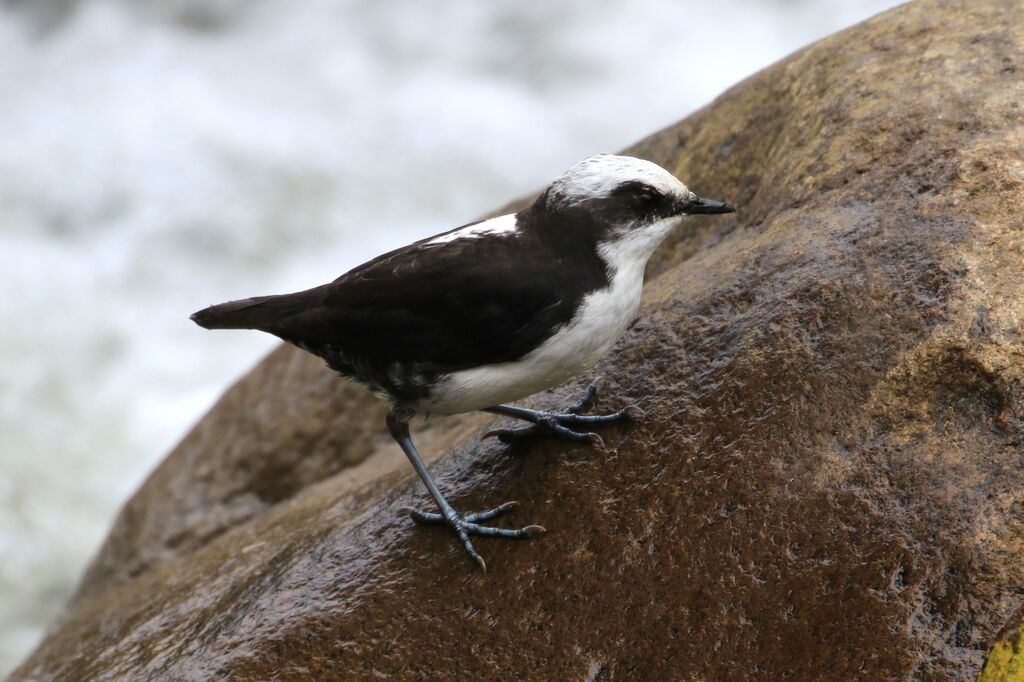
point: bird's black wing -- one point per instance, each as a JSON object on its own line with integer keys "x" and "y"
{"x": 451, "y": 305}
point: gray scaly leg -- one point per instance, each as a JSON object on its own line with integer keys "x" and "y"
{"x": 464, "y": 526}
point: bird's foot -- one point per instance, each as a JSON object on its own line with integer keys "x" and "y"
{"x": 467, "y": 525}
{"x": 562, "y": 424}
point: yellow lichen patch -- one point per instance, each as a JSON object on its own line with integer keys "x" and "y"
{"x": 1005, "y": 661}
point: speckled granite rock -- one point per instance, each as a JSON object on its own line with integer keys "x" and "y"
{"x": 829, "y": 483}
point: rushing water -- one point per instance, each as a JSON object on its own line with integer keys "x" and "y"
{"x": 158, "y": 155}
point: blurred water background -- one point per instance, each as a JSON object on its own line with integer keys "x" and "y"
{"x": 160, "y": 155}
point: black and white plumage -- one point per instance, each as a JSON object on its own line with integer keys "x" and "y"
{"x": 490, "y": 312}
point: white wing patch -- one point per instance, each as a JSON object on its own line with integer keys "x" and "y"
{"x": 505, "y": 224}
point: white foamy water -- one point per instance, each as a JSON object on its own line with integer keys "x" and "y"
{"x": 157, "y": 156}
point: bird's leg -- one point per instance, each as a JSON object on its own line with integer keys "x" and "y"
{"x": 560, "y": 424}
{"x": 464, "y": 526}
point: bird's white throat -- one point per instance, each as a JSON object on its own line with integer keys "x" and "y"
{"x": 635, "y": 245}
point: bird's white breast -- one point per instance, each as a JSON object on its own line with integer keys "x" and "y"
{"x": 599, "y": 322}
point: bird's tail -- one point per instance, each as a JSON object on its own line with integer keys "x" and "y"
{"x": 261, "y": 312}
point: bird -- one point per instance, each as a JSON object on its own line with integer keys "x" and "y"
{"x": 491, "y": 312}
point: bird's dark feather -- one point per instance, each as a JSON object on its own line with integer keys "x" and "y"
{"x": 436, "y": 308}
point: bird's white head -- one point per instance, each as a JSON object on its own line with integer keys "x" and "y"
{"x": 602, "y": 175}
{"x": 623, "y": 201}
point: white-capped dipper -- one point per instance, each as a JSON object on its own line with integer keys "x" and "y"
{"x": 490, "y": 312}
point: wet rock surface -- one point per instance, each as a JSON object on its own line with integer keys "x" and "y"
{"x": 287, "y": 424}
{"x": 828, "y": 483}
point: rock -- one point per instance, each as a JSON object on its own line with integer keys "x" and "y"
{"x": 286, "y": 425}
{"x": 828, "y": 484}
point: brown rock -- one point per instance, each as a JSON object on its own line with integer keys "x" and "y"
{"x": 286, "y": 425}
{"x": 829, "y": 482}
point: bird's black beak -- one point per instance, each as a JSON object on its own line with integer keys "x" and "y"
{"x": 702, "y": 205}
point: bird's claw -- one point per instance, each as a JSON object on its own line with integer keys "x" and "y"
{"x": 633, "y": 413}
{"x": 544, "y": 427}
{"x": 465, "y": 526}
{"x": 559, "y": 424}
{"x": 589, "y": 398}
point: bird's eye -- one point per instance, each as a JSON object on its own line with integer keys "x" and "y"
{"x": 644, "y": 193}
{"x": 639, "y": 194}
